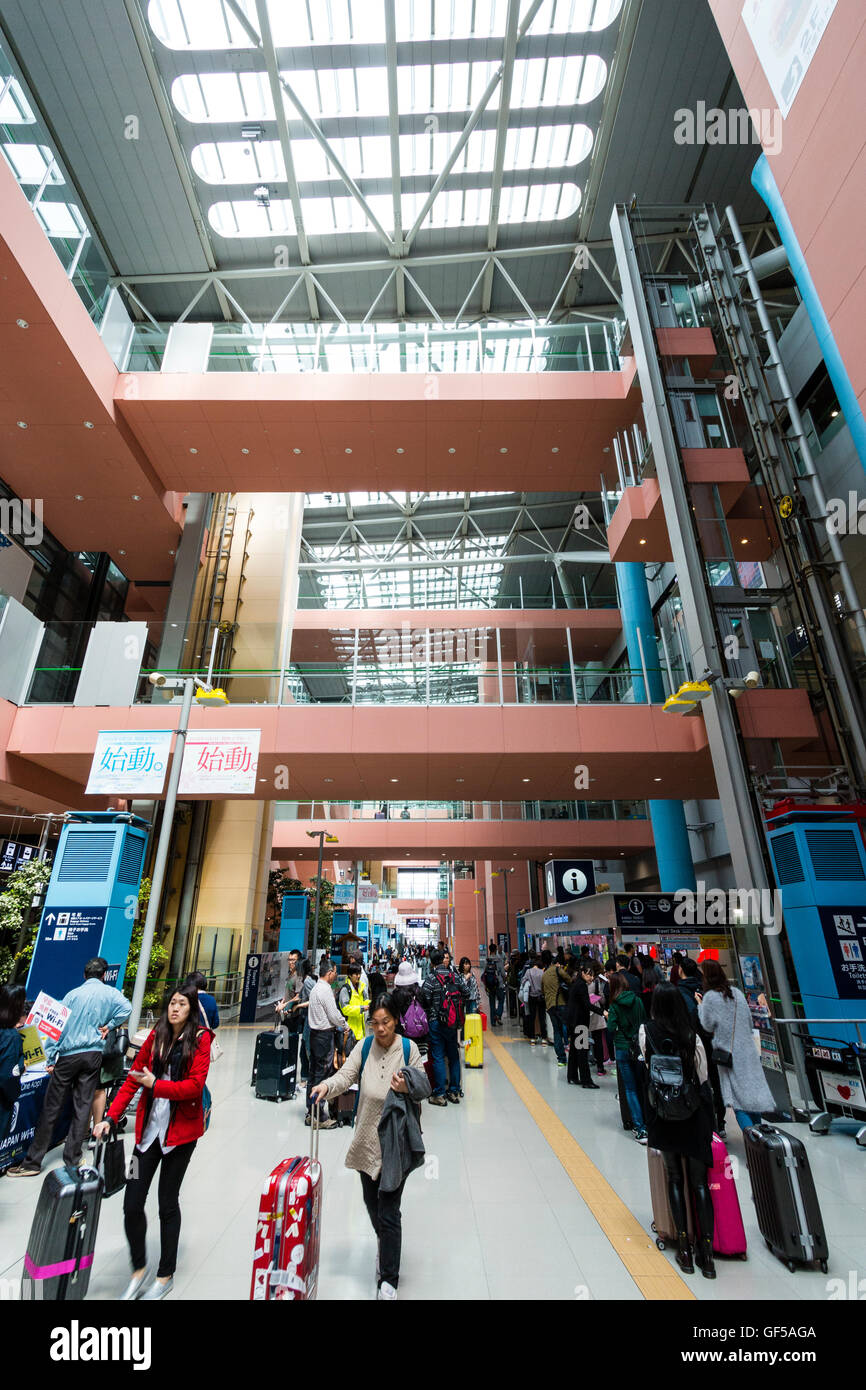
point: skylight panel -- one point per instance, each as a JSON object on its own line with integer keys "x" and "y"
{"x": 198, "y": 25}
{"x": 440, "y": 88}
{"x": 453, "y": 208}
{"x": 60, "y": 219}
{"x": 15, "y": 108}
{"x": 29, "y": 163}
{"x": 369, "y": 156}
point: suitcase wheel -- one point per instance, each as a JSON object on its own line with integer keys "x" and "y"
{"x": 823, "y": 1266}
{"x": 659, "y": 1242}
{"x": 792, "y": 1266}
{"x": 743, "y": 1256}
{"x": 653, "y": 1226}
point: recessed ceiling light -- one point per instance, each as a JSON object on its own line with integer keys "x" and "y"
{"x": 136, "y": 497}
{"x": 263, "y": 779}
{"x": 400, "y": 451}
{"x": 606, "y": 449}
{"x": 503, "y": 450}
{"x": 22, "y": 323}
{"x": 555, "y": 449}
{"x": 88, "y": 424}
{"x": 657, "y": 779}
{"x": 348, "y": 451}
{"x": 171, "y": 552}
{"x": 461, "y": 779}
{"x": 193, "y": 451}
{"x": 329, "y": 779}
{"x": 452, "y": 451}
{"x": 527, "y": 779}
{"x": 296, "y": 451}
{"x": 395, "y": 779}
{"x": 643, "y": 542}
{"x": 245, "y": 451}
{"x": 121, "y": 552}
{"x": 79, "y": 497}
{"x": 22, "y": 424}
{"x": 744, "y": 541}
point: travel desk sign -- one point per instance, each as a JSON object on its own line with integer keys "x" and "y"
{"x": 129, "y": 762}
{"x": 48, "y": 1016}
{"x": 221, "y": 762}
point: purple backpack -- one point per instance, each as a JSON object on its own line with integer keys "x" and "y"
{"x": 414, "y": 1020}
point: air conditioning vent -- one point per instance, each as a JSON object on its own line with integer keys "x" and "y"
{"x": 86, "y": 856}
{"x": 834, "y": 855}
{"x": 130, "y": 860}
{"x": 788, "y": 866}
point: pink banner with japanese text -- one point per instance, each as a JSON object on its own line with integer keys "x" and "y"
{"x": 221, "y": 762}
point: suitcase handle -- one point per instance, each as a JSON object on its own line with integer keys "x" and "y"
{"x": 314, "y": 1132}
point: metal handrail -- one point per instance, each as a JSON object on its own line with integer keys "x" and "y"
{"x": 857, "y": 1022}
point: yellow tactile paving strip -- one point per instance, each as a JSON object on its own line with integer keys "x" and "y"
{"x": 649, "y": 1269}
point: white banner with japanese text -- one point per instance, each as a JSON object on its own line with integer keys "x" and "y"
{"x": 129, "y": 762}
{"x": 220, "y": 762}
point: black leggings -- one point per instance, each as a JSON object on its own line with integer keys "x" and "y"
{"x": 703, "y": 1202}
{"x": 172, "y": 1170}
{"x": 383, "y": 1208}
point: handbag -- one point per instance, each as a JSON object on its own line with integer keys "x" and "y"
{"x": 112, "y": 1156}
{"x": 719, "y": 1055}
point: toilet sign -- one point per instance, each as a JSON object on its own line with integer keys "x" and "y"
{"x": 568, "y": 879}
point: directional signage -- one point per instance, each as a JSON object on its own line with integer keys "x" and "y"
{"x": 68, "y": 937}
{"x": 344, "y": 893}
{"x": 845, "y": 935}
{"x": 567, "y": 880}
{"x": 649, "y": 912}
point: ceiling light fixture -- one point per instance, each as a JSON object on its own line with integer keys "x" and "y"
{"x": 296, "y": 451}
{"x": 245, "y": 451}
{"x": 88, "y": 424}
{"x": 22, "y": 323}
{"x": 348, "y": 451}
{"x": 22, "y": 424}
{"x": 193, "y": 451}
{"x": 121, "y": 552}
{"x": 79, "y": 497}
{"x": 555, "y": 449}
{"x": 452, "y": 450}
{"x": 643, "y": 542}
{"x": 400, "y": 451}
{"x": 503, "y": 450}
{"x": 136, "y": 497}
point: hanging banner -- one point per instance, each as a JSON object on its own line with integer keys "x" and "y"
{"x": 786, "y": 34}
{"x": 220, "y": 762}
{"x": 129, "y": 762}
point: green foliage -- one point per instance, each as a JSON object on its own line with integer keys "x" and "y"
{"x": 21, "y": 888}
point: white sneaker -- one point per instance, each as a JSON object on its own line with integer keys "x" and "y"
{"x": 387, "y": 1292}
{"x": 157, "y": 1291}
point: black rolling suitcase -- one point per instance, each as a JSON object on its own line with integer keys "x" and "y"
{"x": 276, "y": 1067}
{"x": 783, "y": 1191}
{"x": 61, "y": 1241}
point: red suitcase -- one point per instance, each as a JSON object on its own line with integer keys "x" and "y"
{"x": 729, "y": 1235}
{"x": 286, "y": 1255}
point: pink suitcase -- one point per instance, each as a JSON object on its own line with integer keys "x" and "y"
{"x": 730, "y": 1236}
{"x": 286, "y": 1255}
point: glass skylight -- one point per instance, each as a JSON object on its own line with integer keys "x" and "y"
{"x": 408, "y": 587}
{"x": 363, "y": 91}
{"x": 369, "y": 156}
{"x": 61, "y": 219}
{"x": 468, "y": 207}
{"x": 14, "y": 107}
{"x": 210, "y": 24}
{"x": 29, "y": 163}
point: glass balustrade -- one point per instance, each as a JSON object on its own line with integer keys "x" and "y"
{"x": 442, "y": 811}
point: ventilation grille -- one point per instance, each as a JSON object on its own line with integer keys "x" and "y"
{"x": 130, "y": 860}
{"x": 834, "y": 855}
{"x": 788, "y": 866}
{"x": 86, "y": 856}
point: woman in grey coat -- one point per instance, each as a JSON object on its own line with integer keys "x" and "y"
{"x": 724, "y": 1012}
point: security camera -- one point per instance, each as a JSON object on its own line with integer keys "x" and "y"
{"x": 751, "y": 680}
{"x": 157, "y": 678}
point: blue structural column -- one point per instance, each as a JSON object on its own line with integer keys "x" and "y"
{"x": 673, "y": 854}
{"x": 764, "y": 181}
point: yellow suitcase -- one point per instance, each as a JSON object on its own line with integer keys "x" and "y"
{"x": 473, "y": 1052}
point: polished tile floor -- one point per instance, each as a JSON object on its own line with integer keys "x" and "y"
{"x": 493, "y": 1215}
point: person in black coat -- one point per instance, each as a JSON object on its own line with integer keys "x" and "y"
{"x": 690, "y": 985}
{"x": 577, "y": 1017}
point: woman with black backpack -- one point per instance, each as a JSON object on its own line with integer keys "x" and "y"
{"x": 679, "y": 1108}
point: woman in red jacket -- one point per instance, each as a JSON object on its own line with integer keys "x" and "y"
{"x": 171, "y": 1067}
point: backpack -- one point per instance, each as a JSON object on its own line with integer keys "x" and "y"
{"x": 670, "y": 1093}
{"x": 365, "y": 1052}
{"x": 451, "y": 1010}
{"x": 414, "y": 1021}
{"x": 490, "y": 979}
